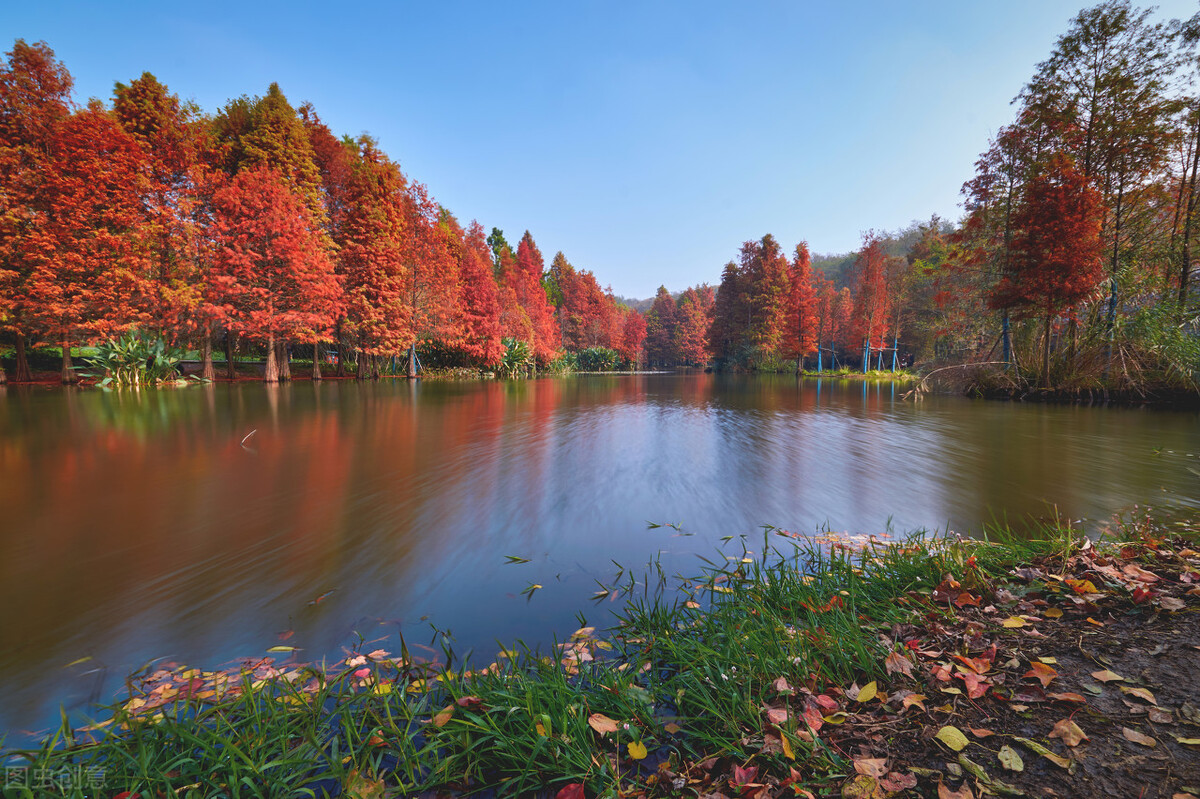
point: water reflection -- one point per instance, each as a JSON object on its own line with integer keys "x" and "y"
{"x": 138, "y": 526}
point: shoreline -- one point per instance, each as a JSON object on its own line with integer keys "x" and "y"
{"x": 849, "y": 665}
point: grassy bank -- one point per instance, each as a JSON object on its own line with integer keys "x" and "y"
{"x": 794, "y": 667}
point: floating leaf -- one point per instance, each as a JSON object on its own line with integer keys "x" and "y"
{"x": 360, "y": 787}
{"x": 1138, "y": 738}
{"x": 602, "y": 723}
{"x": 441, "y": 719}
{"x": 637, "y": 750}
{"x": 515, "y": 559}
{"x": 1010, "y": 759}
{"x": 952, "y": 737}
{"x": 673, "y": 728}
{"x": 282, "y": 649}
{"x": 1069, "y": 732}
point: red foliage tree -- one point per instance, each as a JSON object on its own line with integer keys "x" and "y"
{"x": 799, "y": 334}
{"x": 633, "y": 335}
{"x": 431, "y": 280}
{"x": 524, "y": 279}
{"x": 272, "y": 277}
{"x": 35, "y": 97}
{"x": 1057, "y": 248}
{"x": 478, "y": 321}
{"x": 690, "y": 337}
{"x": 871, "y": 298}
{"x": 90, "y": 268}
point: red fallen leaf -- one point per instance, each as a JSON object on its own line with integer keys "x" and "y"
{"x": 572, "y": 791}
{"x": 1041, "y": 672}
{"x": 1141, "y": 595}
{"x": 966, "y": 598}
{"x": 941, "y": 672}
{"x": 1138, "y": 573}
{"x": 128, "y": 795}
{"x": 743, "y": 776}
{"x": 777, "y": 715}
{"x": 1068, "y": 697}
{"x": 896, "y": 782}
{"x": 781, "y": 686}
{"x": 468, "y": 701}
{"x": 977, "y": 665}
{"x": 977, "y": 686}
{"x": 829, "y": 703}
{"x": 978, "y": 733}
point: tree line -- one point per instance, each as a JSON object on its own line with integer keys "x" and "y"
{"x": 256, "y": 226}
{"x": 1073, "y": 264}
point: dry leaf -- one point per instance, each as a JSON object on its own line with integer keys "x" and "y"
{"x": 1107, "y": 676}
{"x": 1037, "y": 748}
{"x": 1171, "y": 603}
{"x": 914, "y": 699}
{"x": 443, "y": 718}
{"x": 602, "y": 723}
{"x": 1140, "y": 693}
{"x": 944, "y": 792}
{"x": 777, "y": 715}
{"x": 871, "y": 766}
{"x": 1069, "y": 732}
{"x": 1042, "y": 673}
{"x": 1052, "y": 613}
{"x": 897, "y": 662}
{"x": 1138, "y": 738}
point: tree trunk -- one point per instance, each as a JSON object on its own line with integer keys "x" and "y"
{"x": 1046, "y": 354}
{"x": 316, "y": 372}
{"x": 341, "y": 350}
{"x": 69, "y": 378}
{"x": 283, "y": 360}
{"x": 230, "y": 346}
{"x": 206, "y": 362}
{"x": 22, "y": 373}
{"x": 3, "y": 376}
{"x": 1006, "y": 335}
{"x": 412, "y": 360}
{"x": 271, "y": 373}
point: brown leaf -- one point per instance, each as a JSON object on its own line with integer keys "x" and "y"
{"x": 1138, "y": 738}
{"x": 777, "y": 715}
{"x": 1107, "y": 676}
{"x": 978, "y": 733}
{"x": 1171, "y": 603}
{"x": 1068, "y": 697}
{"x": 1138, "y": 573}
{"x": 1069, "y": 732}
{"x": 781, "y": 686}
{"x": 944, "y": 792}
{"x": 914, "y": 699}
{"x": 871, "y": 766}
{"x": 1140, "y": 693}
{"x": 602, "y": 723}
{"x": 572, "y": 791}
{"x": 443, "y": 718}
{"x": 1160, "y": 716}
{"x": 897, "y": 662}
{"x": 895, "y": 782}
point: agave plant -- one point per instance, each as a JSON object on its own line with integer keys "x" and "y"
{"x": 517, "y": 358}
{"x": 134, "y": 359}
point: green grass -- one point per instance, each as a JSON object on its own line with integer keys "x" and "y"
{"x": 685, "y": 673}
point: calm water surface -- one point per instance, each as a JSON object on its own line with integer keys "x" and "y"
{"x": 138, "y": 526}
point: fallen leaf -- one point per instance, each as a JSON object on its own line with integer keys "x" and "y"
{"x": 944, "y": 792}
{"x": 1090, "y": 620}
{"x": 1140, "y": 693}
{"x": 952, "y": 737}
{"x": 1188, "y": 741}
{"x": 786, "y": 746}
{"x": 637, "y": 750}
{"x": 1067, "y": 697}
{"x": 360, "y": 787}
{"x": 673, "y": 729}
{"x": 572, "y": 791}
{"x": 978, "y": 733}
{"x": 1138, "y": 573}
{"x": 1037, "y": 748}
{"x": 1171, "y": 603}
{"x": 602, "y": 723}
{"x": 1041, "y": 672}
{"x": 1052, "y": 613}
{"x": 1069, "y": 732}
{"x": 897, "y": 662}
{"x": 443, "y": 718}
{"x": 1160, "y": 716}
{"x": 1010, "y": 759}
{"x": 1107, "y": 676}
{"x": 867, "y": 692}
{"x": 781, "y": 686}
{"x": 777, "y": 715}
{"x": 913, "y": 699}
{"x": 1138, "y": 738}
{"x": 1082, "y": 586}
{"x": 896, "y": 782}
{"x": 1013, "y": 621}
{"x": 871, "y": 766}
{"x": 744, "y": 776}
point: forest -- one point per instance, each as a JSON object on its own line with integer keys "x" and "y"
{"x": 257, "y": 227}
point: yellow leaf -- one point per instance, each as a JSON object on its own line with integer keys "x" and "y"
{"x": 541, "y": 731}
{"x": 672, "y": 728}
{"x": 637, "y": 750}
{"x": 1013, "y": 621}
{"x": 787, "y": 747}
{"x": 1070, "y": 732}
{"x": 1057, "y": 760}
{"x": 868, "y": 692}
{"x": 1107, "y": 676}
{"x": 1052, "y": 613}
{"x": 1140, "y": 693}
{"x": 1010, "y": 759}
{"x": 441, "y": 719}
{"x": 952, "y": 737}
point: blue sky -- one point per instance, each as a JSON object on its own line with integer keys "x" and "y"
{"x": 644, "y": 140}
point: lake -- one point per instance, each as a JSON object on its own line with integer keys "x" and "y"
{"x": 203, "y": 524}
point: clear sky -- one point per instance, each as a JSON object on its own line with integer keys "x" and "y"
{"x": 646, "y": 140}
